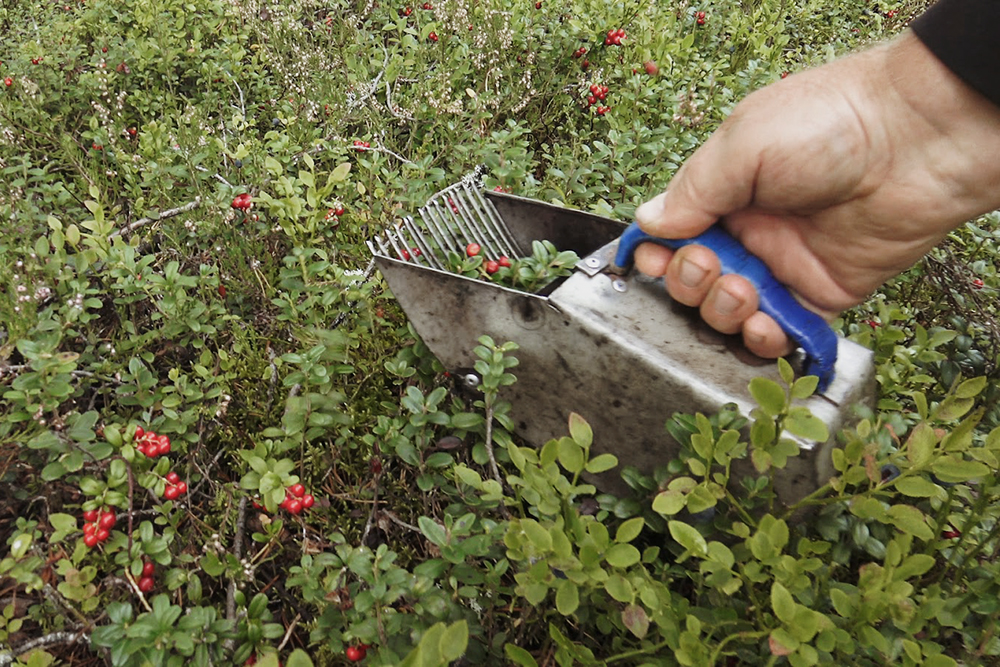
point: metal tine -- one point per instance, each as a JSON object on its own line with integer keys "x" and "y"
{"x": 427, "y": 254}
{"x": 447, "y": 238}
{"x": 493, "y": 223}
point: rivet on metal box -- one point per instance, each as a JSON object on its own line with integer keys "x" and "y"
{"x": 607, "y": 342}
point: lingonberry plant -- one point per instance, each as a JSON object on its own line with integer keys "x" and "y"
{"x": 221, "y": 442}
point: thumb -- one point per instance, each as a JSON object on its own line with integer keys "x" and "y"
{"x": 716, "y": 180}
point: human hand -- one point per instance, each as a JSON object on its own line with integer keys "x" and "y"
{"x": 838, "y": 178}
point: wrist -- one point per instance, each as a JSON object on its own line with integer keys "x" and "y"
{"x": 941, "y": 122}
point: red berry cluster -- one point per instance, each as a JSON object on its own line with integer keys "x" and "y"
{"x": 243, "y": 202}
{"x": 579, "y": 52}
{"x": 146, "y": 581}
{"x": 132, "y": 132}
{"x": 296, "y": 499}
{"x": 405, "y": 254}
{"x": 499, "y": 188}
{"x": 175, "y": 488}
{"x": 700, "y": 18}
{"x": 361, "y": 145}
{"x": 332, "y": 213}
{"x": 433, "y": 37}
{"x": 614, "y": 37}
{"x": 357, "y": 653}
{"x": 603, "y": 110}
{"x": 596, "y": 93}
{"x": 407, "y": 11}
{"x": 96, "y": 146}
{"x": 97, "y": 527}
{"x": 891, "y": 13}
{"x": 491, "y": 266}
{"x": 428, "y": 5}
{"x": 150, "y": 444}
{"x": 538, "y": 5}
{"x": 8, "y": 82}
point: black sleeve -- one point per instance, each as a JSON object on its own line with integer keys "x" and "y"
{"x": 965, "y": 36}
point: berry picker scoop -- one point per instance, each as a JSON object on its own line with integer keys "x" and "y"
{"x": 607, "y": 342}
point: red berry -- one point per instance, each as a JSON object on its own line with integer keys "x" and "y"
{"x": 146, "y": 584}
{"x": 407, "y": 11}
{"x": 594, "y": 88}
{"x": 297, "y": 490}
{"x": 181, "y": 487}
{"x": 355, "y": 653}
{"x": 102, "y": 534}
{"x": 308, "y": 501}
{"x": 591, "y": 100}
{"x": 294, "y": 506}
{"x": 104, "y": 49}
{"x": 8, "y": 82}
{"x": 503, "y": 261}
{"x": 428, "y": 5}
{"x": 96, "y": 146}
{"x": 339, "y": 211}
{"x": 163, "y": 445}
{"x": 433, "y": 37}
{"x": 173, "y": 477}
{"x": 90, "y": 540}
{"x": 492, "y": 266}
{"x": 132, "y": 131}
{"x": 651, "y": 68}
{"x": 171, "y": 493}
{"x": 416, "y": 252}
{"x": 222, "y": 291}
{"x": 89, "y": 528}
{"x": 585, "y": 64}
{"x": 139, "y": 432}
{"x": 784, "y": 75}
{"x": 148, "y": 568}
{"x": 404, "y": 255}
{"x": 977, "y": 283}
{"x": 473, "y": 249}
{"x": 603, "y": 110}
{"x": 538, "y": 5}
{"x": 700, "y": 21}
{"x": 90, "y": 515}
{"x": 950, "y": 534}
{"x": 243, "y": 202}
{"x": 107, "y": 520}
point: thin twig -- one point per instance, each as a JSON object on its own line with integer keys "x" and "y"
{"x": 399, "y": 522}
{"x": 63, "y": 637}
{"x": 238, "y": 552}
{"x": 371, "y": 515}
{"x": 165, "y": 214}
{"x": 288, "y": 632}
{"x": 494, "y": 468}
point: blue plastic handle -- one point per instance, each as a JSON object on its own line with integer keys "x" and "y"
{"x": 809, "y": 330}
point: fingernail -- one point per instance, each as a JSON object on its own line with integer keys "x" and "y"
{"x": 725, "y": 303}
{"x": 691, "y": 274}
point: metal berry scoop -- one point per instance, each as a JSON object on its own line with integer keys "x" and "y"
{"x": 606, "y": 343}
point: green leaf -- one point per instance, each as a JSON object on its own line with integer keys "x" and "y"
{"x": 63, "y": 523}
{"x": 920, "y": 445}
{"x": 538, "y": 536}
{"x": 804, "y": 424}
{"x": 454, "y": 641}
{"x": 914, "y": 566}
{"x": 955, "y": 470}
{"x": 299, "y": 658}
{"x": 622, "y": 555}
{"x": 567, "y": 597}
{"x": 601, "y": 463}
{"x": 971, "y": 388}
{"x": 629, "y": 530}
{"x": 340, "y": 172}
{"x": 433, "y": 531}
{"x": 571, "y": 455}
{"x": 619, "y": 588}
{"x": 910, "y": 520}
{"x": 769, "y": 396}
{"x": 635, "y": 619}
{"x": 783, "y": 604}
{"x": 918, "y": 487}
{"x": 519, "y": 656}
{"x": 688, "y": 537}
{"x": 804, "y": 387}
{"x": 669, "y": 502}
{"x": 580, "y": 430}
